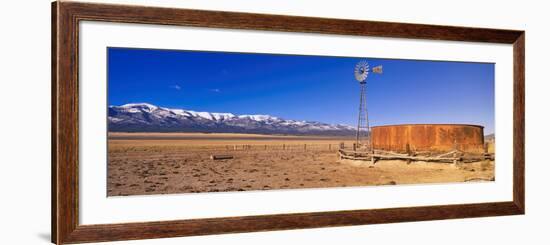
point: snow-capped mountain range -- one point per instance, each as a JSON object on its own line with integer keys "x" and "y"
{"x": 143, "y": 117}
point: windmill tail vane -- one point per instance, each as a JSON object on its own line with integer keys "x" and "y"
{"x": 377, "y": 69}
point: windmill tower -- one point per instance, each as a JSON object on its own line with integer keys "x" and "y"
{"x": 362, "y": 71}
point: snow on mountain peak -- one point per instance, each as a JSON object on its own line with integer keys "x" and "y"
{"x": 136, "y": 107}
{"x": 259, "y": 117}
{"x": 222, "y": 116}
{"x": 206, "y": 115}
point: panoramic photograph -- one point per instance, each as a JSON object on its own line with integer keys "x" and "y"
{"x": 201, "y": 121}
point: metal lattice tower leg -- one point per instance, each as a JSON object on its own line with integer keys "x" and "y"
{"x": 363, "y": 128}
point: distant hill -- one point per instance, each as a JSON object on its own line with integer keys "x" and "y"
{"x": 490, "y": 138}
{"x": 143, "y": 117}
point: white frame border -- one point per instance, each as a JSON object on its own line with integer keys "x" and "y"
{"x": 96, "y": 208}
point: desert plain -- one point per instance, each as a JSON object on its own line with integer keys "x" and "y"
{"x": 167, "y": 163}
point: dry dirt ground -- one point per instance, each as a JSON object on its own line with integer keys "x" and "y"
{"x": 143, "y": 164}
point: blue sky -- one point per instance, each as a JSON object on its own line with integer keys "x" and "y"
{"x": 313, "y": 88}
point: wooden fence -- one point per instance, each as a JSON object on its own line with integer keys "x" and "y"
{"x": 282, "y": 147}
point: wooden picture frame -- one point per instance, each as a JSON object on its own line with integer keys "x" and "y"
{"x": 65, "y": 121}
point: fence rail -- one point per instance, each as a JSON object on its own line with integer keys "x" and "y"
{"x": 280, "y": 147}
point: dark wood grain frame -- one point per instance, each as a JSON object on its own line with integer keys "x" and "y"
{"x": 65, "y": 120}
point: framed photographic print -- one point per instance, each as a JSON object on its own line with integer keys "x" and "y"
{"x": 175, "y": 122}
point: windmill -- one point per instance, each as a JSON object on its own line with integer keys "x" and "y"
{"x": 361, "y": 73}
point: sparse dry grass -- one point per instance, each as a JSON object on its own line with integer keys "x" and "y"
{"x": 180, "y": 163}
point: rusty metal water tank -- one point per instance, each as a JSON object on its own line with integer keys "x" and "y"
{"x": 428, "y": 137}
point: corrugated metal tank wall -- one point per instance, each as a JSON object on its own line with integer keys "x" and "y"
{"x": 428, "y": 137}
